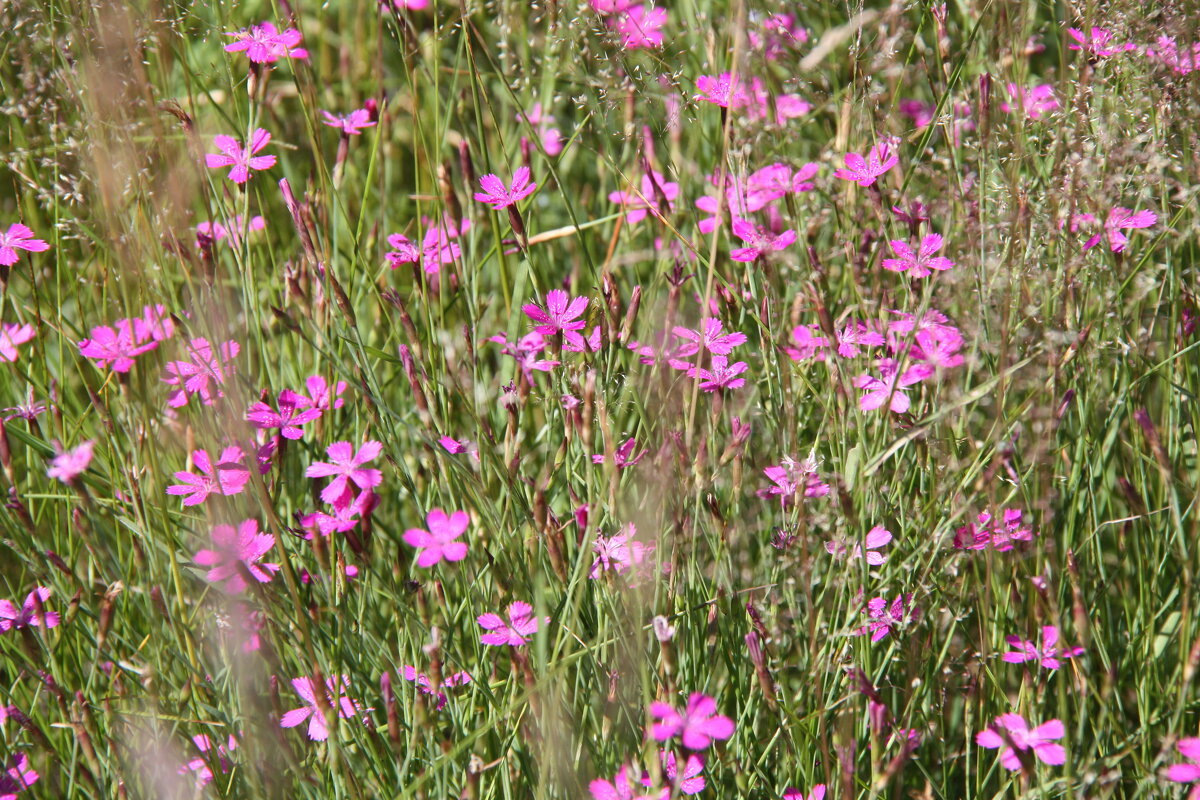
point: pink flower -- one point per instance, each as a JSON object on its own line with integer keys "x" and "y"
{"x": 324, "y": 397}
{"x": 345, "y": 466}
{"x": 526, "y": 352}
{"x": 623, "y": 786}
{"x": 215, "y": 231}
{"x": 891, "y": 384}
{"x": 697, "y": 726}
{"x": 640, "y": 26}
{"x": 1188, "y": 771}
{"x": 758, "y": 241}
{"x": 347, "y": 512}
{"x": 200, "y": 765}
{"x": 720, "y": 375}
{"x": 999, "y": 536}
{"x": 227, "y": 477}
{"x": 884, "y": 616}
{"x": 856, "y": 335}
{"x": 18, "y": 237}
{"x": 1122, "y": 219}
{"x": 117, "y": 346}
{"x": 638, "y": 206}
{"x": 691, "y": 782}
{"x": 70, "y": 464}
{"x": 334, "y": 698}
{"x": 1011, "y": 734}
{"x": 817, "y": 793}
{"x": 876, "y": 538}
{"x": 521, "y": 624}
{"x": 12, "y": 619}
{"x": 1098, "y": 43}
{"x": 1166, "y": 52}
{"x": 438, "y": 542}
{"x": 623, "y": 457}
{"x": 562, "y": 313}
{"x": 497, "y": 196}
{"x": 351, "y": 124}
{"x": 1034, "y": 102}
{"x": 721, "y": 90}
{"x": 11, "y": 336}
{"x": 809, "y": 344}
{"x": 294, "y": 410}
{"x": 864, "y": 171}
{"x": 920, "y": 262}
{"x": 938, "y": 347}
{"x": 240, "y": 159}
{"x": 1047, "y": 655}
{"x": 437, "y": 248}
{"x": 194, "y": 378}
{"x": 619, "y": 552}
{"x": 264, "y": 44}
{"x": 552, "y": 138}
{"x": 791, "y": 477}
{"x": 455, "y": 447}
{"x": 709, "y": 337}
{"x": 18, "y": 777}
{"x": 409, "y": 673}
{"x": 237, "y": 553}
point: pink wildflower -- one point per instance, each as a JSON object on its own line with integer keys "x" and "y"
{"x": 1098, "y": 43}
{"x": 809, "y": 344}
{"x": 215, "y": 231}
{"x": 865, "y": 171}
{"x": 562, "y": 313}
{"x": 1167, "y": 52}
{"x": 690, "y": 782}
{"x": 237, "y": 553}
{"x": 18, "y": 237}
{"x": 623, "y": 457}
{"x": 409, "y": 673}
{"x": 11, "y": 336}
{"x": 294, "y": 410}
{"x": 891, "y": 384}
{"x": 551, "y": 137}
{"x": 720, "y": 375}
{"x": 792, "y": 477}
{"x": 345, "y": 466}
{"x": 1188, "y": 771}
{"x": 70, "y": 464}
{"x": 325, "y": 397}
{"x": 17, "y": 778}
{"x": 918, "y": 262}
{"x": 709, "y": 337}
{"x": 1035, "y": 101}
{"x": 640, "y": 26}
{"x": 28, "y": 616}
{"x": 1000, "y": 536}
{"x": 697, "y": 726}
{"x": 623, "y": 786}
{"x": 348, "y": 511}
{"x": 876, "y": 538}
{"x": 200, "y": 765}
{"x": 883, "y": 617}
{"x": 455, "y": 447}
{"x": 438, "y": 542}
{"x": 350, "y": 124}
{"x": 521, "y": 624}
{"x": 721, "y": 90}
{"x": 619, "y": 552}
{"x": 855, "y": 335}
{"x": 334, "y": 698}
{"x": 227, "y": 477}
{"x": 1048, "y": 655}
{"x": 437, "y": 248}
{"x": 638, "y": 206}
{"x": 1122, "y": 219}
{"x": 526, "y": 352}
{"x": 498, "y": 196}
{"x": 194, "y": 378}
{"x": 817, "y": 793}
{"x": 240, "y": 159}
{"x": 758, "y": 241}
{"x": 264, "y": 44}
{"x": 1011, "y": 734}
{"x": 117, "y": 346}
{"x": 938, "y": 347}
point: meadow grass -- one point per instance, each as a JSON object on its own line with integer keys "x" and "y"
{"x": 1051, "y": 371}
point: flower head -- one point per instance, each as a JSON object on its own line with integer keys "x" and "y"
{"x": 11, "y": 336}
{"x": 640, "y": 26}
{"x": 70, "y": 464}
{"x": 409, "y": 673}
{"x": 885, "y": 616}
{"x": 865, "y": 171}
{"x": 1188, "y": 771}
{"x": 498, "y": 196}
{"x": 294, "y": 410}
{"x": 240, "y": 159}
{"x": 265, "y": 44}
{"x": 697, "y": 726}
{"x": 17, "y": 778}
{"x": 1049, "y": 655}
{"x": 656, "y": 192}
{"x": 1012, "y": 735}
{"x": 334, "y": 697}
{"x": 920, "y": 261}
{"x": 18, "y": 237}
{"x": 350, "y": 124}
{"x": 346, "y": 466}
{"x": 217, "y": 753}
{"x": 439, "y": 541}
{"x": 521, "y": 624}
{"x": 12, "y": 618}
{"x": 227, "y": 477}
{"x": 758, "y": 241}
{"x": 563, "y": 314}
{"x": 876, "y": 538}
{"x": 1098, "y": 42}
{"x": 1034, "y": 101}
{"x": 237, "y": 553}
{"x": 206, "y": 367}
